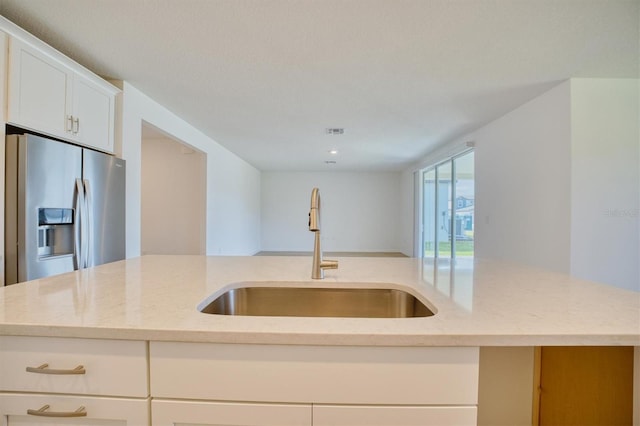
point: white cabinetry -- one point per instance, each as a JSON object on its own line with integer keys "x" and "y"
{"x": 98, "y": 411}
{"x": 169, "y": 413}
{"x": 93, "y": 114}
{"x": 346, "y": 415}
{"x": 108, "y": 378}
{"x": 411, "y": 385}
{"x": 47, "y": 96}
{"x": 39, "y": 90}
{"x": 106, "y": 382}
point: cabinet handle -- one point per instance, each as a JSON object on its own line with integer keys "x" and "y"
{"x": 76, "y": 123}
{"x": 42, "y": 412}
{"x": 69, "y": 127}
{"x": 43, "y": 369}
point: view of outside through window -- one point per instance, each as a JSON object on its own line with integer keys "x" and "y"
{"x": 448, "y": 209}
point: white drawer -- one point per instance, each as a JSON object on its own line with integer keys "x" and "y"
{"x": 345, "y": 415}
{"x": 315, "y": 374}
{"x": 112, "y": 367}
{"x": 98, "y": 411}
{"x": 170, "y": 413}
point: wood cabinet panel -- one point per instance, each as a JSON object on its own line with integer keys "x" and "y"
{"x": 586, "y": 386}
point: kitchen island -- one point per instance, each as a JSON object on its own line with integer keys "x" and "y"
{"x": 189, "y": 366}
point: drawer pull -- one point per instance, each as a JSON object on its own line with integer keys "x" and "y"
{"x": 42, "y": 412}
{"x": 43, "y": 369}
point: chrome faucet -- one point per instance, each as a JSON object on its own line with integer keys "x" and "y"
{"x": 319, "y": 265}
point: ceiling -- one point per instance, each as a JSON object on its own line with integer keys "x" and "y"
{"x": 266, "y": 78}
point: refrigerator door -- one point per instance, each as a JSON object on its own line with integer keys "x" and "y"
{"x": 42, "y": 201}
{"x": 104, "y": 184}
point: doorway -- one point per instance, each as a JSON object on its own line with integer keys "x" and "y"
{"x": 173, "y": 188}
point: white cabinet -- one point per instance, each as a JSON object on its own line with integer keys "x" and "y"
{"x": 93, "y": 115}
{"x": 39, "y": 90}
{"x": 47, "y": 96}
{"x": 118, "y": 382}
{"x": 109, "y": 378}
{"x": 41, "y": 410}
{"x": 392, "y": 385}
{"x": 169, "y": 413}
{"x": 109, "y": 367}
{"x": 346, "y": 415}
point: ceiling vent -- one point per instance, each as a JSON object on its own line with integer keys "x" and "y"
{"x": 335, "y": 131}
{"x": 330, "y": 162}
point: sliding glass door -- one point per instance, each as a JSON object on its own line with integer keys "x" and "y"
{"x": 429, "y": 214}
{"x": 464, "y": 195}
{"x": 443, "y": 209}
{"x": 448, "y": 208}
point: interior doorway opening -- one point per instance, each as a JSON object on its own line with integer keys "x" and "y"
{"x": 173, "y": 191}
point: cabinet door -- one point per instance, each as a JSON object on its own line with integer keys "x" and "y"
{"x": 596, "y": 382}
{"x": 345, "y": 415}
{"x": 15, "y": 408}
{"x": 39, "y": 90}
{"x": 93, "y": 115}
{"x": 182, "y": 413}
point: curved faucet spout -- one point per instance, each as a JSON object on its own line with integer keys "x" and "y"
{"x": 314, "y": 212}
{"x": 319, "y": 265}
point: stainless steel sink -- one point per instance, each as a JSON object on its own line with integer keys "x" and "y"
{"x": 289, "y": 301}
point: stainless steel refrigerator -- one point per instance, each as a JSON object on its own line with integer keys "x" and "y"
{"x": 64, "y": 208}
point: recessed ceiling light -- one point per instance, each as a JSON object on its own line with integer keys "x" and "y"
{"x": 335, "y": 131}
{"x": 333, "y": 152}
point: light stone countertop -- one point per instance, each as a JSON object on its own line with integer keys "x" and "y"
{"x": 479, "y": 303}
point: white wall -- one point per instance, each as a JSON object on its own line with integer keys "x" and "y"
{"x": 409, "y": 197}
{"x": 605, "y": 171}
{"x": 523, "y": 170}
{"x": 233, "y": 185}
{"x": 359, "y": 211}
{"x": 173, "y": 198}
{"x": 3, "y": 115}
{"x": 558, "y": 182}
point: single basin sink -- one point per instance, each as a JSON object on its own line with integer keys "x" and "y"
{"x": 290, "y": 301}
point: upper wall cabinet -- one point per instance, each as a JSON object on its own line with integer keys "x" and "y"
{"x": 47, "y": 96}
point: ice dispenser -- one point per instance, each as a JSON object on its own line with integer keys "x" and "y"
{"x": 55, "y": 232}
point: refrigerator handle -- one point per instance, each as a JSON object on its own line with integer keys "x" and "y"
{"x": 88, "y": 210}
{"x": 77, "y": 229}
